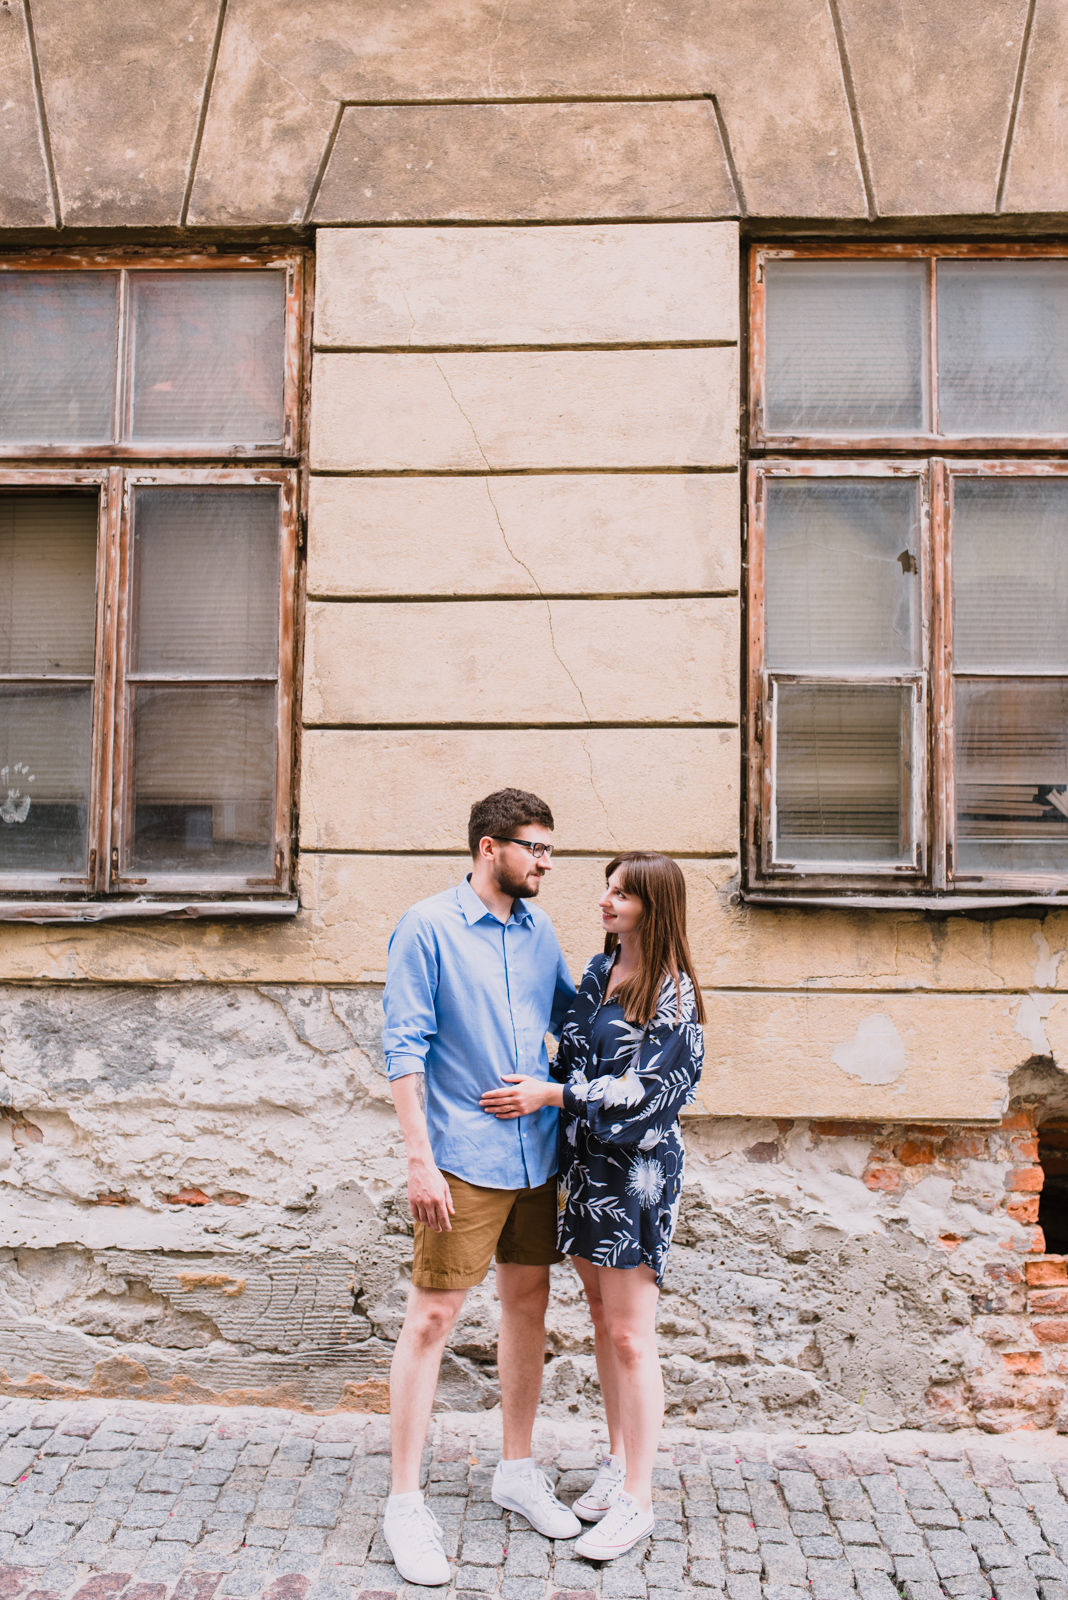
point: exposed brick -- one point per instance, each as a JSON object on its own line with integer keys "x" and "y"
{"x": 1018, "y": 1120}
{"x": 883, "y": 1178}
{"x": 1023, "y": 1360}
{"x": 915, "y": 1153}
{"x": 1025, "y": 1178}
{"x": 1048, "y": 1300}
{"x": 1025, "y": 1149}
{"x": 1004, "y": 1272}
{"x": 1052, "y": 1269}
{"x": 1051, "y": 1331}
{"x": 187, "y": 1197}
{"x": 843, "y": 1130}
{"x": 966, "y": 1147}
{"x": 1025, "y": 1211}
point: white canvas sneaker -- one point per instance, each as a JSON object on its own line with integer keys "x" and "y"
{"x": 622, "y": 1525}
{"x": 413, "y": 1534}
{"x": 529, "y": 1494}
{"x": 592, "y": 1505}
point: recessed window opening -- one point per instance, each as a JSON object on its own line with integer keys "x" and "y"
{"x": 1053, "y": 1201}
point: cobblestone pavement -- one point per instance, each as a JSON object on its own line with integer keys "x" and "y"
{"x": 111, "y": 1500}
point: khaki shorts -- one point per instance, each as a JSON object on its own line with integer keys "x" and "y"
{"x": 516, "y": 1225}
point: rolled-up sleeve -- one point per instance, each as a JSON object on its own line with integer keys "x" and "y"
{"x": 409, "y": 998}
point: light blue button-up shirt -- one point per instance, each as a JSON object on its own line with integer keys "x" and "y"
{"x": 469, "y": 998}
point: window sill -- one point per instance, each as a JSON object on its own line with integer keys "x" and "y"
{"x": 46, "y": 911}
{"x": 945, "y": 904}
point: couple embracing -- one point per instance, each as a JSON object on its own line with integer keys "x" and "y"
{"x": 509, "y": 1157}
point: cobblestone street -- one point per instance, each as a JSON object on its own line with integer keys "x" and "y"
{"x": 102, "y": 1500}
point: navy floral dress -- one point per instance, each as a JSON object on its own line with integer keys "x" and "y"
{"x": 621, "y": 1152}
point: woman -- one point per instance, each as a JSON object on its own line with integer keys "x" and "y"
{"x": 629, "y": 1060}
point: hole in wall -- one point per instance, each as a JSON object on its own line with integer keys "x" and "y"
{"x": 1053, "y": 1201}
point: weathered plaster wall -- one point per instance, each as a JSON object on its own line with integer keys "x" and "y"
{"x": 202, "y": 1192}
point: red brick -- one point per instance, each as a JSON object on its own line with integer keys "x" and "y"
{"x": 915, "y": 1153}
{"x": 1052, "y": 1331}
{"x": 187, "y": 1197}
{"x": 1048, "y": 1300}
{"x": 843, "y": 1130}
{"x": 883, "y": 1178}
{"x": 1027, "y": 1178}
{"x": 967, "y": 1147}
{"x": 1023, "y": 1210}
{"x": 1025, "y": 1149}
{"x": 1002, "y": 1272}
{"x": 1023, "y": 1360}
{"x": 1018, "y": 1119}
{"x": 1053, "y": 1269}
{"x": 950, "y": 1241}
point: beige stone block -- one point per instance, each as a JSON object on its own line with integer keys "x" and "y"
{"x": 518, "y": 662}
{"x": 529, "y": 409}
{"x": 1037, "y": 177}
{"x": 935, "y": 110}
{"x": 24, "y": 197}
{"x": 567, "y": 533}
{"x": 666, "y": 283}
{"x": 876, "y": 1057}
{"x": 772, "y": 64}
{"x": 609, "y": 789}
{"x": 123, "y": 88}
{"x": 533, "y": 162}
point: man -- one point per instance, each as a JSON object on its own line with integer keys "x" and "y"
{"x": 476, "y": 979}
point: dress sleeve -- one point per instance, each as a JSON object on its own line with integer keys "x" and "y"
{"x": 638, "y": 1104}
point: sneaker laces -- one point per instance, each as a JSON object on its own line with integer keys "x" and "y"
{"x": 422, "y": 1527}
{"x": 609, "y": 1473}
{"x": 543, "y": 1489}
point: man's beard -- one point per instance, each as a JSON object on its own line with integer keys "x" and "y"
{"x": 518, "y": 888}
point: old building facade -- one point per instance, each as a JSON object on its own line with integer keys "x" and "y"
{"x": 559, "y": 291}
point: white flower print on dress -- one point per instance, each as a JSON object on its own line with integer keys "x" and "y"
{"x": 621, "y": 1153}
{"x": 646, "y": 1181}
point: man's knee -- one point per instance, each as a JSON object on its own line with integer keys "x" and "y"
{"x": 523, "y": 1291}
{"x": 431, "y": 1314}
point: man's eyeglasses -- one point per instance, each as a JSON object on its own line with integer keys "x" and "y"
{"x": 537, "y": 850}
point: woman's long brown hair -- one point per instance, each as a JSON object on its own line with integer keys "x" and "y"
{"x": 658, "y": 883}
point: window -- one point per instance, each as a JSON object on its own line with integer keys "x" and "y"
{"x": 908, "y": 574}
{"x": 147, "y": 579}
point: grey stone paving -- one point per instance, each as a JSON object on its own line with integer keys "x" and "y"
{"x": 119, "y": 1501}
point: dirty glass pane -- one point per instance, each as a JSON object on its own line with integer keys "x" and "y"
{"x": 1012, "y": 775}
{"x": 206, "y": 575}
{"x": 842, "y": 574}
{"x": 45, "y": 744}
{"x": 203, "y": 774}
{"x": 1003, "y": 347}
{"x": 845, "y": 347}
{"x": 58, "y": 340}
{"x": 47, "y": 582}
{"x": 207, "y": 355}
{"x": 842, "y": 783}
{"x": 1010, "y": 574}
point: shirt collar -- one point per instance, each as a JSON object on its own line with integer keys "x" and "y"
{"x": 474, "y": 910}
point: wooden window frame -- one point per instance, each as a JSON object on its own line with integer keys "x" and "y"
{"x": 108, "y": 889}
{"x": 287, "y": 447}
{"x": 937, "y": 461}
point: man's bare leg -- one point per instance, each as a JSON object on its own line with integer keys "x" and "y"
{"x": 524, "y": 1296}
{"x": 413, "y": 1377}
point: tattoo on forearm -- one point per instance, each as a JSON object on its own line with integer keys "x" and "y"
{"x": 420, "y": 1091}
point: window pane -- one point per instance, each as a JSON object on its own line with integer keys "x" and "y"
{"x": 842, "y": 574}
{"x": 1012, "y": 776}
{"x": 1010, "y": 574}
{"x": 203, "y": 779}
{"x": 845, "y": 346}
{"x": 842, "y": 756}
{"x": 45, "y": 746}
{"x": 206, "y": 576}
{"x": 47, "y": 582}
{"x": 57, "y": 356}
{"x": 207, "y": 355}
{"x": 1003, "y": 347}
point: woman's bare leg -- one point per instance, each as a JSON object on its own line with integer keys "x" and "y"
{"x": 628, "y": 1296}
{"x": 604, "y": 1355}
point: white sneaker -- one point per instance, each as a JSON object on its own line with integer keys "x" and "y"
{"x": 622, "y": 1525}
{"x": 529, "y": 1493}
{"x": 592, "y": 1505}
{"x": 413, "y": 1534}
